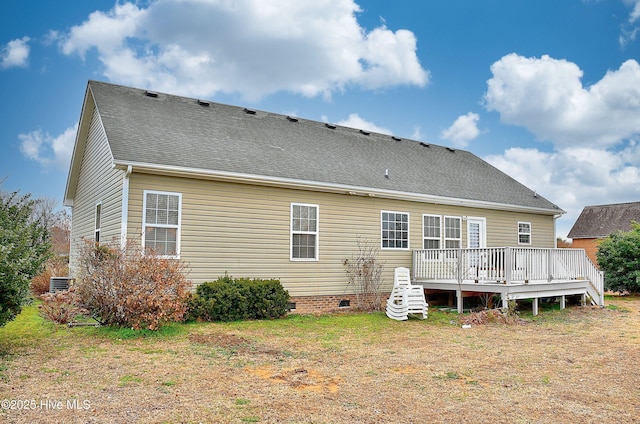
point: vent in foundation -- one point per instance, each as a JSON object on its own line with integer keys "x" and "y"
{"x": 344, "y": 303}
{"x": 291, "y": 306}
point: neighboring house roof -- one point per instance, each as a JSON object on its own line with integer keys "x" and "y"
{"x": 156, "y": 132}
{"x": 602, "y": 220}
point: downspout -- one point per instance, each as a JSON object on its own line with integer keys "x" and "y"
{"x": 555, "y": 230}
{"x": 125, "y": 207}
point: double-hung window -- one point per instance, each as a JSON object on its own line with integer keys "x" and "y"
{"x": 395, "y": 230}
{"x": 161, "y": 223}
{"x": 431, "y": 231}
{"x": 524, "y": 233}
{"x": 304, "y": 232}
{"x": 452, "y": 232}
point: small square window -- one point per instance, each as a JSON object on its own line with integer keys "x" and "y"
{"x": 394, "y": 230}
{"x": 524, "y": 233}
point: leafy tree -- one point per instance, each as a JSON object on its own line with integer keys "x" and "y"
{"x": 619, "y": 258}
{"x": 24, "y": 247}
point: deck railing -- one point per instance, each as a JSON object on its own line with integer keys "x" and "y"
{"x": 508, "y": 265}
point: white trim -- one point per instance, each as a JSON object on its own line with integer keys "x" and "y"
{"x": 316, "y": 233}
{"x": 408, "y": 231}
{"x": 329, "y": 187}
{"x": 530, "y": 233}
{"x": 125, "y": 207}
{"x": 483, "y": 230}
{"x": 440, "y": 229}
{"x": 178, "y": 227}
{"x": 97, "y": 229}
{"x": 444, "y": 232}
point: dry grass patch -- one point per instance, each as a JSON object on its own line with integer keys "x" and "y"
{"x": 576, "y": 365}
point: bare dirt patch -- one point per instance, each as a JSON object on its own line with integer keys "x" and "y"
{"x": 577, "y": 365}
{"x": 299, "y": 378}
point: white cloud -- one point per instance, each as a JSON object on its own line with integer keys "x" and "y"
{"x": 417, "y": 133}
{"x": 355, "y": 121}
{"x": 594, "y": 131}
{"x": 108, "y": 32}
{"x": 635, "y": 12}
{"x": 629, "y": 29}
{"x": 545, "y": 96}
{"x": 15, "y": 54}
{"x": 575, "y": 177}
{"x": 48, "y": 150}
{"x": 463, "y": 130}
{"x": 252, "y": 47}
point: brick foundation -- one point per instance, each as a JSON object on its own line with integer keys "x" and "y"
{"x": 326, "y": 304}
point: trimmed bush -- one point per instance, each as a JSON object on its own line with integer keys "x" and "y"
{"x": 228, "y": 299}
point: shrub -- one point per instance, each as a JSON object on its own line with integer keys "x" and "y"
{"x": 62, "y": 306}
{"x": 228, "y": 299}
{"x": 122, "y": 286}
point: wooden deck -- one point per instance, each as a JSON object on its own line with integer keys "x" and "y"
{"x": 514, "y": 273}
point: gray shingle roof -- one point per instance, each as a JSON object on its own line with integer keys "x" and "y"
{"x": 174, "y": 131}
{"x": 602, "y": 220}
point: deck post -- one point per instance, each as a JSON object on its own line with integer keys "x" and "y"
{"x": 507, "y": 265}
{"x": 535, "y": 306}
{"x": 459, "y": 268}
{"x": 563, "y": 301}
{"x": 459, "y": 300}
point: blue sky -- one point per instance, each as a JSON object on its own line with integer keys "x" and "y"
{"x": 548, "y": 91}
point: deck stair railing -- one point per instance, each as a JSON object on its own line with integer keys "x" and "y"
{"x": 509, "y": 265}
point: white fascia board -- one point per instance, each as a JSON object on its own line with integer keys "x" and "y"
{"x": 88, "y": 106}
{"x": 327, "y": 187}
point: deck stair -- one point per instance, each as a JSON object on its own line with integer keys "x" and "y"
{"x": 406, "y": 298}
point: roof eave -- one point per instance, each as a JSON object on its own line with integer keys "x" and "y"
{"x": 328, "y": 187}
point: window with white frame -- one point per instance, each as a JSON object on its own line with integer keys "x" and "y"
{"x": 524, "y": 233}
{"x": 431, "y": 231}
{"x": 304, "y": 232}
{"x": 395, "y": 230}
{"x": 98, "y": 223}
{"x": 161, "y": 223}
{"x": 452, "y": 232}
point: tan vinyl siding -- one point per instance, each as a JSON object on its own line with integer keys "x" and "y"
{"x": 244, "y": 230}
{"x": 98, "y": 182}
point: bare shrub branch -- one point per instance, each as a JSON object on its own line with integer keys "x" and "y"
{"x": 364, "y": 272}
